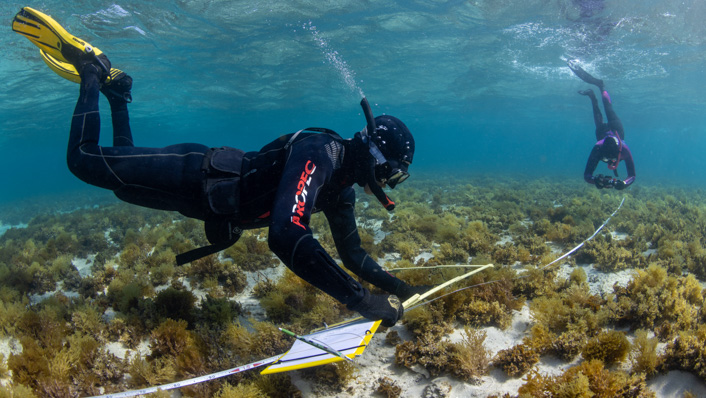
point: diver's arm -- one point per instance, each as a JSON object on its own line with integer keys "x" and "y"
{"x": 630, "y": 164}
{"x": 591, "y": 165}
{"x": 290, "y": 238}
{"x": 344, "y": 230}
{"x": 626, "y": 155}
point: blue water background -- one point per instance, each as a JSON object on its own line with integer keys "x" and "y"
{"x": 482, "y": 84}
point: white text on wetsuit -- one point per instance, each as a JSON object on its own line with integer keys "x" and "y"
{"x": 302, "y": 193}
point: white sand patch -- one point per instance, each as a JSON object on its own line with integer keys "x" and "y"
{"x": 379, "y": 236}
{"x": 599, "y": 283}
{"x": 555, "y": 248}
{"x": 109, "y": 314}
{"x": 392, "y": 257}
{"x": 498, "y": 339}
{"x": 8, "y": 346}
{"x": 618, "y": 235}
{"x": 504, "y": 239}
{"x": 38, "y": 298}
{"x": 425, "y": 256}
{"x": 120, "y": 351}
{"x": 375, "y": 226}
{"x": 250, "y": 304}
{"x": 83, "y": 265}
{"x": 108, "y": 239}
{"x": 676, "y": 383}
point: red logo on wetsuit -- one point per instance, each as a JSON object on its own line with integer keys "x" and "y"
{"x": 302, "y": 193}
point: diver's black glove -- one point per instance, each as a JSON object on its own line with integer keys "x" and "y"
{"x": 602, "y": 181}
{"x": 619, "y": 185}
{"x": 379, "y": 306}
{"x": 599, "y": 181}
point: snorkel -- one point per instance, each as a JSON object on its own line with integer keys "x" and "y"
{"x": 376, "y": 157}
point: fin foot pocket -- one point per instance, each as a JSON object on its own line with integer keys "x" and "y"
{"x": 69, "y": 72}
{"x": 117, "y": 85}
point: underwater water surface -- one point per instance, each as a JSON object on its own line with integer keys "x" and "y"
{"x": 482, "y": 84}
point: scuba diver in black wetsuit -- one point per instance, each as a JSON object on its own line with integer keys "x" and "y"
{"x": 610, "y": 146}
{"x": 279, "y": 187}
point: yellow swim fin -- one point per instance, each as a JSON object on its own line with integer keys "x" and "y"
{"x": 60, "y": 50}
{"x": 44, "y": 32}
{"x": 69, "y": 72}
{"x": 63, "y": 69}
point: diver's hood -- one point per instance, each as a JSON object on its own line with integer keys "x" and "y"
{"x": 394, "y": 139}
{"x": 613, "y": 149}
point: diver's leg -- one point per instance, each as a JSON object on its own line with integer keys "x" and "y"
{"x": 613, "y": 120}
{"x": 117, "y": 91}
{"x": 585, "y": 76}
{"x": 122, "y": 134}
{"x": 85, "y": 133}
{"x": 597, "y": 115}
{"x": 168, "y": 178}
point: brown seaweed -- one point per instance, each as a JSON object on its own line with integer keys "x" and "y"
{"x": 135, "y": 292}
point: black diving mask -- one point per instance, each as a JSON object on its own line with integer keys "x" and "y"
{"x": 389, "y": 174}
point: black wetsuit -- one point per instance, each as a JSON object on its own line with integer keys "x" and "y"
{"x": 278, "y": 187}
{"x": 612, "y": 128}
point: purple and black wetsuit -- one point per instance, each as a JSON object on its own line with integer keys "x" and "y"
{"x": 612, "y": 129}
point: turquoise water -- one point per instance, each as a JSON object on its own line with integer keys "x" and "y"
{"x": 482, "y": 84}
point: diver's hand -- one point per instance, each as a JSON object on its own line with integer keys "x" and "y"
{"x": 606, "y": 182}
{"x": 619, "y": 185}
{"x": 386, "y": 307}
{"x": 599, "y": 181}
